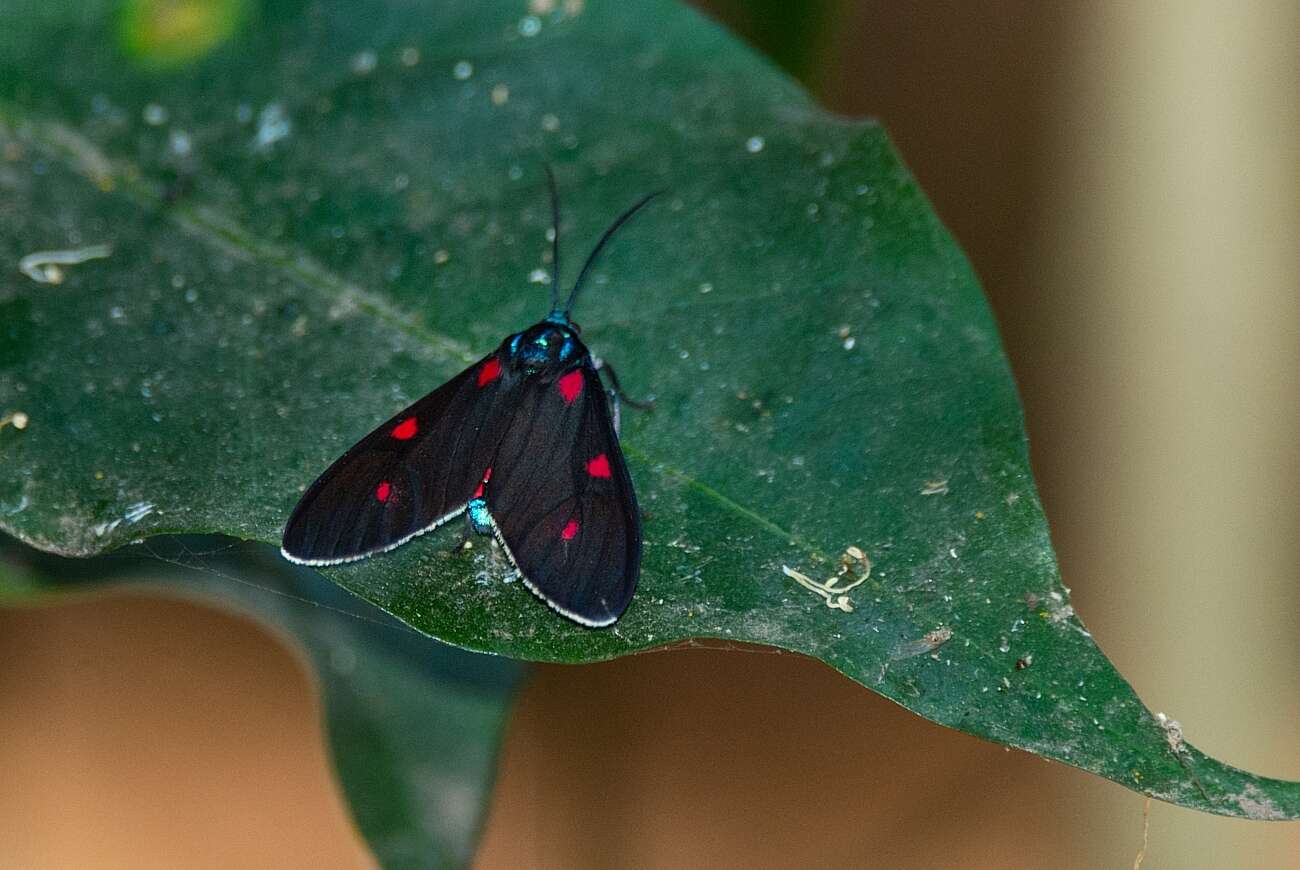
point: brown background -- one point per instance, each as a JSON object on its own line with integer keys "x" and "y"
{"x": 1124, "y": 177}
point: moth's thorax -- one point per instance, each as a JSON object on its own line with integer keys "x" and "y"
{"x": 551, "y": 344}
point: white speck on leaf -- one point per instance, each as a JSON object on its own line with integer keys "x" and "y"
{"x": 103, "y": 529}
{"x": 155, "y": 115}
{"x": 138, "y": 511}
{"x": 364, "y": 62}
{"x": 17, "y": 419}
{"x": 180, "y": 143}
{"x": 43, "y": 267}
{"x": 272, "y": 126}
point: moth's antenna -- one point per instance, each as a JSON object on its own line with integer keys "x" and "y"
{"x": 618, "y": 222}
{"x": 555, "y": 238}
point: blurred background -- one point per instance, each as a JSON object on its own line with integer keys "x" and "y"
{"x": 1125, "y": 179}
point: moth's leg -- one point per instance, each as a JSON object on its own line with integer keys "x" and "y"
{"x": 477, "y": 522}
{"x": 615, "y": 391}
{"x": 466, "y": 536}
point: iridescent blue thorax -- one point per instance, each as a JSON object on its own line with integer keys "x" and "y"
{"x": 479, "y": 517}
{"x": 551, "y": 344}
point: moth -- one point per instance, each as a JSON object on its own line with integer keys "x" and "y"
{"x": 524, "y": 442}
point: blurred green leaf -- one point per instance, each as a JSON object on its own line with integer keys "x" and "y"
{"x": 413, "y": 725}
{"x": 337, "y": 207}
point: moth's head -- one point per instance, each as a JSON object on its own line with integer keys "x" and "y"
{"x": 544, "y": 344}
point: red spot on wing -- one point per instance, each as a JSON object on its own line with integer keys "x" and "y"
{"x": 571, "y": 385}
{"x": 490, "y": 372}
{"x": 570, "y": 530}
{"x": 487, "y": 475}
{"x": 383, "y": 490}
{"x": 405, "y": 430}
{"x": 599, "y": 467}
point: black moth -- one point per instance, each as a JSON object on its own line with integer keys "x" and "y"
{"x": 524, "y": 442}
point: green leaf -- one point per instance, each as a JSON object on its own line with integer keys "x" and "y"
{"x": 332, "y": 210}
{"x": 413, "y": 725}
